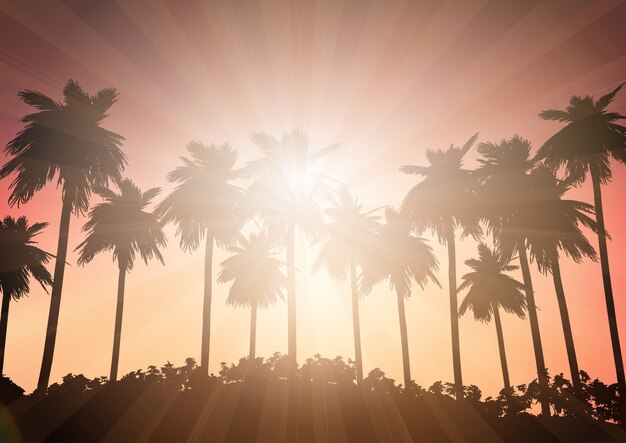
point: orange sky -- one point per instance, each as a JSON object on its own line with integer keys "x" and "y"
{"x": 387, "y": 80}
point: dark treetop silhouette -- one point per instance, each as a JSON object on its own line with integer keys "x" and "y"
{"x": 442, "y": 203}
{"x": 590, "y": 139}
{"x": 19, "y": 260}
{"x": 395, "y": 255}
{"x": 257, "y": 278}
{"x": 203, "y": 207}
{"x": 343, "y": 251}
{"x": 536, "y": 208}
{"x": 554, "y": 228}
{"x": 123, "y": 226}
{"x": 505, "y": 197}
{"x": 63, "y": 140}
{"x": 489, "y": 288}
{"x": 285, "y": 193}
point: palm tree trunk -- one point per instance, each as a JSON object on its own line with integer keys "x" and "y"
{"x": 606, "y": 278}
{"x": 117, "y": 335}
{"x": 505, "y": 366}
{"x": 567, "y": 328}
{"x": 356, "y": 325}
{"x": 405, "y": 341}
{"x": 253, "y": 313}
{"x": 291, "y": 300}
{"x": 206, "y": 308}
{"x": 55, "y": 297}
{"x": 454, "y": 317}
{"x": 542, "y": 374}
{"x": 4, "y": 324}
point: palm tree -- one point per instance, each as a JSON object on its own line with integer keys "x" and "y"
{"x": 505, "y": 199}
{"x": 285, "y": 192}
{"x": 203, "y": 207}
{"x": 553, "y": 224}
{"x": 586, "y": 144}
{"x": 257, "y": 278}
{"x": 122, "y": 225}
{"x": 489, "y": 289}
{"x": 342, "y": 252}
{"x": 401, "y": 258}
{"x": 442, "y": 203}
{"x": 63, "y": 140}
{"x": 17, "y": 266}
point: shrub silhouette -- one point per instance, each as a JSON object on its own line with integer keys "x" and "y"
{"x": 247, "y": 402}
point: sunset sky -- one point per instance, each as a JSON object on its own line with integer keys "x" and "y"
{"x": 386, "y": 80}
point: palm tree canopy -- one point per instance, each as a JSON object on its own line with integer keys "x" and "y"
{"x": 256, "y": 275}
{"x": 591, "y": 137}
{"x": 506, "y": 159}
{"x": 520, "y": 199}
{"x": 553, "y": 223}
{"x": 394, "y": 254}
{"x": 442, "y": 202}
{"x": 489, "y": 287}
{"x": 204, "y": 199}
{"x": 287, "y": 188}
{"x": 345, "y": 236}
{"x": 122, "y": 225}
{"x": 24, "y": 259}
{"x": 506, "y": 190}
{"x": 65, "y": 140}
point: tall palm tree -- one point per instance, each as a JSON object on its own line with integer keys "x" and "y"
{"x": 203, "y": 207}
{"x": 591, "y": 138}
{"x": 122, "y": 225}
{"x": 20, "y": 259}
{"x": 489, "y": 289}
{"x": 285, "y": 193}
{"x": 63, "y": 140}
{"x": 343, "y": 251}
{"x": 553, "y": 224}
{"x": 257, "y": 278}
{"x": 505, "y": 197}
{"x": 442, "y": 203}
{"x": 401, "y": 258}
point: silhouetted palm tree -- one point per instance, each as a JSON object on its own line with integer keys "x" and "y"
{"x": 257, "y": 278}
{"x": 19, "y": 260}
{"x": 442, "y": 203}
{"x": 401, "y": 258}
{"x": 203, "y": 207}
{"x": 505, "y": 197}
{"x": 122, "y": 225}
{"x": 343, "y": 251}
{"x": 489, "y": 289}
{"x": 591, "y": 138}
{"x": 63, "y": 140}
{"x": 286, "y": 192}
{"x": 553, "y": 224}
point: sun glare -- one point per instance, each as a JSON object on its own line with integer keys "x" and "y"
{"x": 301, "y": 183}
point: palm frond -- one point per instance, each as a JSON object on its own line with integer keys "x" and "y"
{"x": 63, "y": 140}
{"x": 121, "y": 225}
{"x": 489, "y": 288}
{"x": 556, "y": 115}
{"x": 606, "y": 99}
{"x": 24, "y": 260}
{"x": 38, "y": 100}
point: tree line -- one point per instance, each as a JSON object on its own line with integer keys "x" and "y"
{"x": 513, "y": 205}
{"x": 245, "y": 402}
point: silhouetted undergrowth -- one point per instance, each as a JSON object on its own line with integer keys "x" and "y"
{"x": 258, "y": 401}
